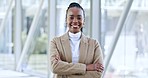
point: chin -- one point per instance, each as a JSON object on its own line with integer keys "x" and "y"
{"x": 74, "y": 30}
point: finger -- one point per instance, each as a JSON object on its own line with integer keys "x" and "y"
{"x": 96, "y": 67}
{"x": 101, "y": 64}
{"x": 57, "y": 57}
{"x": 100, "y": 70}
{"x": 99, "y": 67}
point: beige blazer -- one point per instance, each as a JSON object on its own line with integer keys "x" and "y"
{"x": 90, "y": 52}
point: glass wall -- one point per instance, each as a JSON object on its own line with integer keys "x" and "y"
{"x": 36, "y": 58}
{"x": 130, "y": 56}
{"x": 6, "y": 53}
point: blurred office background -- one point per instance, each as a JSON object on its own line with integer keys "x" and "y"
{"x": 27, "y": 26}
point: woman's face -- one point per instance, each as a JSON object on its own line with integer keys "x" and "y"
{"x": 75, "y": 19}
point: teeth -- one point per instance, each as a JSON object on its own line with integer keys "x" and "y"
{"x": 75, "y": 26}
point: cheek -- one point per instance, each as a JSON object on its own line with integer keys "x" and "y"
{"x": 81, "y": 23}
{"x": 68, "y": 23}
{"x": 68, "y": 20}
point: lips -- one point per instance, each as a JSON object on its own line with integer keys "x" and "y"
{"x": 75, "y": 26}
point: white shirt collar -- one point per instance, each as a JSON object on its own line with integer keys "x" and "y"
{"x": 75, "y": 36}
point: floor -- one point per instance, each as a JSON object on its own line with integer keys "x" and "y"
{"x": 14, "y": 74}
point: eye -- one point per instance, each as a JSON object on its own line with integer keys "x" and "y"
{"x": 71, "y": 18}
{"x": 79, "y": 18}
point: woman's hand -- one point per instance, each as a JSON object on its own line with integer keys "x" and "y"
{"x": 95, "y": 67}
{"x": 57, "y": 58}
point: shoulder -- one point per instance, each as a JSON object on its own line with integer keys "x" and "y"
{"x": 91, "y": 40}
{"x": 59, "y": 38}
{"x": 55, "y": 39}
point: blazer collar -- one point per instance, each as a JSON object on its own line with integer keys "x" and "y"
{"x": 65, "y": 37}
{"x": 67, "y": 48}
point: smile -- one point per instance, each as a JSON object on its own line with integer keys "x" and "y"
{"x": 75, "y": 26}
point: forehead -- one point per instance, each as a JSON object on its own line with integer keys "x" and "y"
{"x": 75, "y": 11}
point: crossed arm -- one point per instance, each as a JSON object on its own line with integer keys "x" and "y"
{"x": 64, "y": 68}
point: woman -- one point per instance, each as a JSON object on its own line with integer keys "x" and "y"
{"x": 73, "y": 55}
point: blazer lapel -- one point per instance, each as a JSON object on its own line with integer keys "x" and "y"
{"x": 66, "y": 47}
{"x": 83, "y": 49}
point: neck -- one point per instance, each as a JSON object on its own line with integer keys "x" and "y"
{"x": 74, "y": 32}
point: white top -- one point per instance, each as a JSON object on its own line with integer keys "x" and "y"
{"x": 74, "y": 43}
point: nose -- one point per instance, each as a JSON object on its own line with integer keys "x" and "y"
{"x": 75, "y": 20}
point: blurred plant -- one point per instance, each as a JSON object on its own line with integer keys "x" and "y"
{"x": 39, "y": 43}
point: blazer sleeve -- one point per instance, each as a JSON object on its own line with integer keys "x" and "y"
{"x": 62, "y": 67}
{"x": 89, "y": 74}
{"x": 98, "y": 56}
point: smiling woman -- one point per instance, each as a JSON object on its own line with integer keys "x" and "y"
{"x": 75, "y": 17}
{"x": 73, "y": 55}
